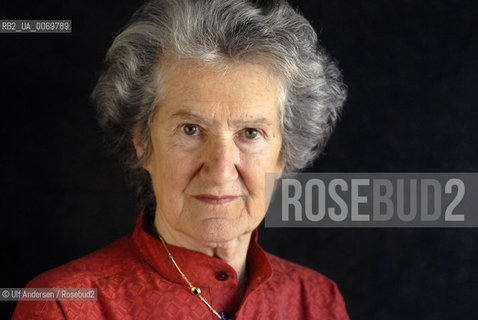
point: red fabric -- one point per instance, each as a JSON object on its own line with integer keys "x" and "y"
{"x": 137, "y": 280}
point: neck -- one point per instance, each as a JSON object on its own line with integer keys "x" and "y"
{"x": 233, "y": 252}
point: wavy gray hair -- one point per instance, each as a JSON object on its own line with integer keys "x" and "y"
{"x": 218, "y": 32}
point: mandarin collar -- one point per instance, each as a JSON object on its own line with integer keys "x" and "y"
{"x": 200, "y": 269}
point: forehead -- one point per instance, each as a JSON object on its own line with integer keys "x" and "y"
{"x": 240, "y": 89}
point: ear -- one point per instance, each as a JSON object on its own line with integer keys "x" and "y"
{"x": 281, "y": 167}
{"x": 140, "y": 150}
{"x": 281, "y": 163}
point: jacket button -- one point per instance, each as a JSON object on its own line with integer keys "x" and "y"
{"x": 225, "y": 315}
{"x": 222, "y": 275}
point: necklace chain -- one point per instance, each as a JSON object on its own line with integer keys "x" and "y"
{"x": 194, "y": 290}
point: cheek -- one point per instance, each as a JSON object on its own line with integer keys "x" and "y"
{"x": 172, "y": 170}
{"x": 178, "y": 171}
{"x": 253, "y": 173}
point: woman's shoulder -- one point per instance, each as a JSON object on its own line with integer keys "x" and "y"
{"x": 291, "y": 269}
{"x": 294, "y": 275}
{"x": 115, "y": 258}
{"x": 303, "y": 287}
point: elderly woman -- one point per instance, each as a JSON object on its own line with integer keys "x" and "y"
{"x": 201, "y": 99}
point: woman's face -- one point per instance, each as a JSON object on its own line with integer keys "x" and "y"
{"x": 214, "y": 136}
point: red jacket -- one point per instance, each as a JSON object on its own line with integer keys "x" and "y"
{"x": 136, "y": 280}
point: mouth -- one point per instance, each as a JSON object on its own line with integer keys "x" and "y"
{"x": 215, "y": 200}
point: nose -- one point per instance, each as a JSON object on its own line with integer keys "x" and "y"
{"x": 220, "y": 159}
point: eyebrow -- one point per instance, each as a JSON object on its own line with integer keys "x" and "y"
{"x": 184, "y": 115}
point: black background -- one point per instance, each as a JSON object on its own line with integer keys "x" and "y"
{"x": 412, "y": 72}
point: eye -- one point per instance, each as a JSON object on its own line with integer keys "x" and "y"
{"x": 190, "y": 129}
{"x": 250, "y": 133}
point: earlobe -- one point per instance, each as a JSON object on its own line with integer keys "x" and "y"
{"x": 280, "y": 166}
{"x": 140, "y": 152}
{"x": 280, "y": 171}
{"x": 138, "y": 146}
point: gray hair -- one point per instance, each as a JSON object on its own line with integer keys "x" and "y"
{"x": 218, "y": 32}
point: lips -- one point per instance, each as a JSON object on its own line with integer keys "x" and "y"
{"x": 215, "y": 200}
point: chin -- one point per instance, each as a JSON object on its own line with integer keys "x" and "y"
{"x": 221, "y": 230}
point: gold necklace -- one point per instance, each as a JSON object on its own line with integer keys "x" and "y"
{"x": 194, "y": 290}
